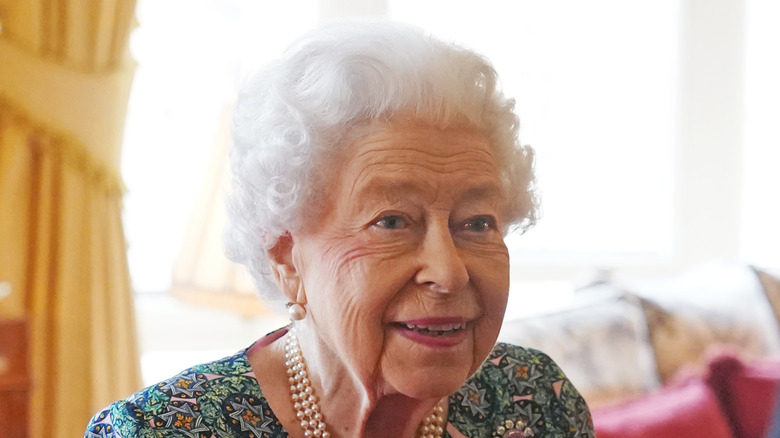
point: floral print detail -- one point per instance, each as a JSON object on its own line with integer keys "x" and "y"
{"x": 100, "y": 431}
{"x": 519, "y": 386}
{"x": 187, "y": 385}
{"x": 249, "y": 416}
{"x": 184, "y": 418}
{"x": 474, "y": 399}
{"x": 516, "y": 393}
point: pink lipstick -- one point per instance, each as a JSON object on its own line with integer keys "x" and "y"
{"x": 434, "y": 332}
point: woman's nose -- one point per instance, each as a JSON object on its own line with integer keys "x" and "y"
{"x": 442, "y": 267}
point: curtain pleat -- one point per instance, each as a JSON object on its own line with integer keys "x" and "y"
{"x": 98, "y": 324}
{"x": 72, "y": 303}
{"x": 42, "y": 285}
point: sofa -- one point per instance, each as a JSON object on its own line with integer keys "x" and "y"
{"x": 690, "y": 355}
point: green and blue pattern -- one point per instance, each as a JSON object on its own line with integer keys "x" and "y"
{"x": 517, "y": 392}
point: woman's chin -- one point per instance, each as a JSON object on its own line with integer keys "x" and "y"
{"x": 424, "y": 381}
{"x": 426, "y": 368}
{"x": 435, "y": 388}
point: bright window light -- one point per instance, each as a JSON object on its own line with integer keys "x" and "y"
{"x": 761, "y": 185}
{"x": 596, "y": 98}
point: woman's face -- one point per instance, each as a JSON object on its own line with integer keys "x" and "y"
{"x": 405, "y": 269}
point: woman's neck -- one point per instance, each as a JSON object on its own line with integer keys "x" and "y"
{"x": 351, "y": 406}
{"x": 387, "y": 417}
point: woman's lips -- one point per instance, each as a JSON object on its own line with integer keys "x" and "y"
{"x": 434, "y": 332}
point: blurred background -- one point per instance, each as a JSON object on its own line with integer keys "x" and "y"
{"x": 654, "y": 122}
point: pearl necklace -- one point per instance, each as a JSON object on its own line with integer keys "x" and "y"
{"x": 307, "y": 410}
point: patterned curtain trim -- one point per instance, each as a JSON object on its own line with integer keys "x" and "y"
{"x": 72, "y": 152}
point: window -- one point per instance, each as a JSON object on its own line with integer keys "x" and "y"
{"x": 761, "y": 180}
{"x": 595, "y": 84}
{"x": 191, "y": 56}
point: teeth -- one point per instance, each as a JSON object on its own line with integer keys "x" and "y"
{"x": 436, "y": 327}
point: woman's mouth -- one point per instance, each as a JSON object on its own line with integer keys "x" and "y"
{"x": 435, "y": 329}
{"x": 434, "y": 332}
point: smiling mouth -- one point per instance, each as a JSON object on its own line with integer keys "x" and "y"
{"x": 438, "y": 330}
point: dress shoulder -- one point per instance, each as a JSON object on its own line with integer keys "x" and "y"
{"x": 519, "y": 392}
{"x": 219, "y": 399}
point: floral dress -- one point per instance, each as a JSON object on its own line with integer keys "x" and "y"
{"x": 516, "y": 393}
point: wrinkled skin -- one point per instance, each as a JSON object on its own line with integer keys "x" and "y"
{"x": 411, "y": 231}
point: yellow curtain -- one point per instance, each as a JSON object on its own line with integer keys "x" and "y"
{"x": 64, "y": 80}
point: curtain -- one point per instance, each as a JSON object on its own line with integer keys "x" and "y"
{"x": 64, "y": 83}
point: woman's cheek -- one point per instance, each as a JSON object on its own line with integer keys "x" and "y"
{"x": 490, "y": 275}
{"x": 490, "y": 261}
{"x": 359, "y": 268}
{"x": 370, "y": 243}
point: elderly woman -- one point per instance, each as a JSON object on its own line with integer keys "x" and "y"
{"x": 376, "y": 172}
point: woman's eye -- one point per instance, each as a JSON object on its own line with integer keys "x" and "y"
{"x": 393, "y": 222}
{"x": 480, "y": 224}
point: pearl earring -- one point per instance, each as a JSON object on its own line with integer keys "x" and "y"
{"x": 297, "y": 311}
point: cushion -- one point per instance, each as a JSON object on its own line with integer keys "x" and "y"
{"x": 600, "y": 341}
{"x": 687, "y": 409}
{"x": 717, "y": 303}
{"x": 747, "y": 392}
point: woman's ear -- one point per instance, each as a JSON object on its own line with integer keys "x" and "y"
{"x": 285, "y": 272}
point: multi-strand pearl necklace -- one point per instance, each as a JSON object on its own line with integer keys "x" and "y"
{"x": 307, "y": 410}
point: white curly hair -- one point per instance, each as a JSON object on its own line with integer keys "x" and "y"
{"x": 333, "y": 84}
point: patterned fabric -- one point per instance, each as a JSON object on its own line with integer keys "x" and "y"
{"x": 715, "y": 305}
{"x": 601, "y": 340}
{"x": 517, "y": 392}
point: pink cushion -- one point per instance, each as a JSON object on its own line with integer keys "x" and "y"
{"x": 747, "y": 392}
{"x": 687, "y": 409}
